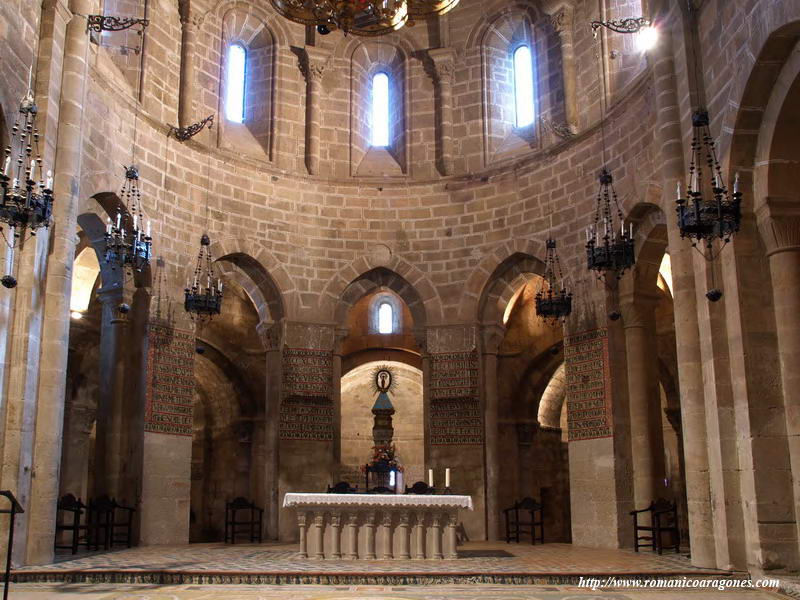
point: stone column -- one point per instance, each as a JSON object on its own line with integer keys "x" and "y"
{"x": 647, "y": 440}
{"x": 108, "y": 441}
{"x": 436, "y": 542}
{"x": 404, "y": 532}
{"x": 317, "y": 540}
{"x": 450, "y": 545}
{"x": 272, "y": 337}
{"x": 443, "y": 62}
{"x": 191, "y": 21}
{"x": 302, "y": 520}
{"x": 352, "y": 536}
{"x": 369, "y": 538}
{"x": 336, "y": 399}
{"x": 491, "y": 338}
{"x": 386, "y": 536}
{"x": 562, "y": 20}
{"x": 312, "y": 65}
{"x": 779, "y": 222}
{"x": 687, "y": 333}
{"x": 336, "y": 543}
{"x": 57, "y": 289}
{"x": 75, "y": 463}
{"x": 419, "y": 535}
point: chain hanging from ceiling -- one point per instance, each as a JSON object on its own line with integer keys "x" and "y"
{"x": 361, "y": 17}
{"x": 27, "y": 198}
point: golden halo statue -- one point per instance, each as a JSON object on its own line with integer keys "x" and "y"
{"x": 383, "y": 379}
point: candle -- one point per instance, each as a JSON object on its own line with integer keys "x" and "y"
{"x": 135, "y": 219}
{"x": 430, "y": 477}
{"x": 7, "y": 166}
{"x": 736, "y": 183}
{"x": 630, "y": 226}
{"x": 33, "y": 169}
{"x": 119, "y": 217}
{"x": 108, "y": 225}
{"x": 717, "y": 182}
{"x": 447, "y": 478}
{"x": 679, "y": 191}
{"x": 49, "y": 184}
{"x": 693, "y": 185}
{"x": 10, "y": 251}
{"x": 219, "y": 286}
{"x": 148, "y": 229}
{"x": 14, "y": 183}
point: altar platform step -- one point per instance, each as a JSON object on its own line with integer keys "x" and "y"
{"x": 275, "y": 564}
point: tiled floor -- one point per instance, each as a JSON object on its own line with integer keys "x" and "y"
{"x": 40, "y": 591}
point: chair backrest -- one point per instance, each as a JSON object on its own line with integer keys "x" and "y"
{"x": 341, "y": 488}
{"x": 528, "y": 503}
{"x": 381, "y": 490}
{"x": 101, "y": 504}
{"x": 663, "y": 505}
{"x": 239, "y": 503}
{"x": 420, "y": 487}
{"x": 71, "y": 503}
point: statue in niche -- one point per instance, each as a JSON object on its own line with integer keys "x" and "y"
{"x": 383, "y": 469}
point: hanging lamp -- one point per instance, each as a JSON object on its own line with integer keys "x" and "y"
{"x": 203, "y": 298}
{"x": 128, "y": 242}
{"x": 553, "y": 300}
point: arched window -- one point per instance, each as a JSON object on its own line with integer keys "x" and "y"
{"x": 385, "y": 318}
{"x": 380, "y": 110}
{"x": 523, "y": 86}
{"x": 235, "y": 83}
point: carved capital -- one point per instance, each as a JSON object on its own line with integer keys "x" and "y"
{"x": 779, "y": 223}
{"x": 369, "y": 519}
{"x": 442, "y": 63}
{"x": 319, "y": 519}
{"x": 312, "y": 63}
{"x": 561, "y": 20}
{"x": 405, "y": 518}
{"x": 491, "y": 338}
{"x": 271, "y": 335}
{"x": 81, "y": 418}
{"x": 189, "y": 14}
{"x": 352, "y": 519}
{"x": 387, "y": 519}
{"x": 336, "y": 520}
{"x": 301, "y": 519}
{"x": 421, "y": 337}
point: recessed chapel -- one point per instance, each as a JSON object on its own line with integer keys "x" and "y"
{"x": 374, "y": 278}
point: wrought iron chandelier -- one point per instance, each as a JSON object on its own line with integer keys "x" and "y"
{"x": 609, "y": 247}
{"x": 360, "y": 17}
{"x": 204, "y": 302}
{"x": 555, "y": 302}
{"x": 128, "y": 243}
{"x": 704, "y": 218}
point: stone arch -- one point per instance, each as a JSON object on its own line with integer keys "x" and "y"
{"x": 481, "y": 275}
{"x": 497, "y": 10}
{"x": 650, "y": 233}
{"x": 393, "y": 272}
{"x": 553, "y": 398}
{"x": 276, "y": 27}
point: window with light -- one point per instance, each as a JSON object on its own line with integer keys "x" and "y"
{"x": 235, "y": 83}
{"x": 385, "y": 318}
{"x": 523, "y": 86}
{"x": 380, "y": 110}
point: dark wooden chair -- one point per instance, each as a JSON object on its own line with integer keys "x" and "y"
{"x": 68, "y": 519}
{"x": 663, "y": 520}
{"x": 99, "y": 523}
{"x": 342, "y": 488}
{"x": 381, "y": 490}
{"x": 525, "y": 517}
{"x": 121, "y": 524}
{"x": 420, "y": 487}
{"x": 250, "y": 524}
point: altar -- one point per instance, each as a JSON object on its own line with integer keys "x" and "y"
{"x": 383, "y": 526}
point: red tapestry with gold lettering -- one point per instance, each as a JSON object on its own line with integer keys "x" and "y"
{"x": 588, "y": 385}
{"x": 170, "y": 380}
{"x": 455, "y": 407}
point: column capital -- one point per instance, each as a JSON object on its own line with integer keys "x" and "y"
{"x": 312, "y": 62}
{"x": 491, "y": 338}
{"x": 779, "y": 223}
{"x": 561, "y": 19}
{"x": 638, "y": 309}
{"x": 189, "y": 13}
{"x": 271, "y": 334}
{"x": 442, "y": 62}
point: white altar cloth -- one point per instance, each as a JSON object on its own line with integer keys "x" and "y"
{"x": 384, "y": 526}
{"x": 295, "y": 500}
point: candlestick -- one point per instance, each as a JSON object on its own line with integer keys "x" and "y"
{"x": 447, "y": 478}
{"x": 736, "y": 183}
{"x": 10, "y": 251}
{"x": 430, "y": 477}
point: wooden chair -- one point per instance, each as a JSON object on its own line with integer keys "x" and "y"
{"x": 420, "y": 487}
{"x": 122, "y": 524}
{"x": 381, "y": 490}
{"x": 663, "y": 519}
{"x": 68, "y": 519}
{"x": 517, "y": 523}
{"x": 250, "y": 525}
{"x": 99, "y": 523}
{"x": 342, "y": 488}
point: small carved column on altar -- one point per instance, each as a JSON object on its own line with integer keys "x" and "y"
{"x": 404, "y": 532}
{"x": 319, "y": 524}
{"x": 450, "y": 536}
{"x": 312, "y": 65}
{"x": 301, "y": 524}
{"x": 369, "y": 537}
{"x": 386, "y": 536}
{"x": 419, "y": 535}
{"x": 436, "y": 526}
{"x": 352, "y": 536}
{"x": 336, "y": 545}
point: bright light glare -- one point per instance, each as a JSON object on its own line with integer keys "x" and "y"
{"x": 647, "y": 38}
{"x": 385, "y": 318}
{"x": 380, "y": 111}
{"x": 523, "y": 86}
{"x": 76, "y": 315}
{"x": 234, "y": 86}
{"x": 391, "y": 478}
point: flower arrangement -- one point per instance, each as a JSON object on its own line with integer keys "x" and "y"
{"x": 384, "y": 455}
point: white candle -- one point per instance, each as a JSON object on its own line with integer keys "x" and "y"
{"x": 119, "y": 217}
{"x": 678, "y": 196}
{"x": 108, "y": 225}
{"x": 717, "y": 183}
{"x": 693, "y": 186}
{"x": 7, "y": 166}
{"x": 447, "y": 478}
{"x": 148, "y": 229}
{"x": 736, "y": 183}
{"x": 14, "y": 183}
{"x": 49, "y": 184}
{"x": 10, "y": 252}
{"x": 219, "y": 286}
{"x": 630, "y": 226}
{"x": 135, "y": 219}
{"x": 33, "y": 169}
{"x": 430, "y": 477}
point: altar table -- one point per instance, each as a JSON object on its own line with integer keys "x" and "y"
{"x": 382, "y": 526}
